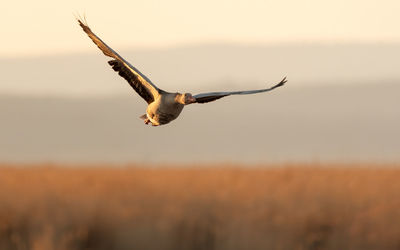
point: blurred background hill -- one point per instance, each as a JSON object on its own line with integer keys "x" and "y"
{"x": 340, "y": 105}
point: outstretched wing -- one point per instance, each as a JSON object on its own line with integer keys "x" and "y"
{"x": 139, "y": 82}
{"x": 212, "y": 96}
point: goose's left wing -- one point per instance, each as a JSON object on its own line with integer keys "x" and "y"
{"x": 212, "y": 96}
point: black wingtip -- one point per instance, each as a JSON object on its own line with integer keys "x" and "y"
{"x": 281, "y": 83}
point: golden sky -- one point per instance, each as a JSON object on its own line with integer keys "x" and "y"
{"x": 47, "y": 26}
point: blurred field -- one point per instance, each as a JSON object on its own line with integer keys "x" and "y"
{"x": 208, "y": 207}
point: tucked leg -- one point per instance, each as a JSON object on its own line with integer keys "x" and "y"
{"x": 143, "y": 117}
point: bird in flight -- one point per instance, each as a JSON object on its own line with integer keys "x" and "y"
{"x": 163, "y": 106}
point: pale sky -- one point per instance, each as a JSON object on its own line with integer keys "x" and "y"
{"x": 48, "y": 26}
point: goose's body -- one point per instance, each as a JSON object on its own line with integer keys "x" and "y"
{"x": 163, "y": 106}
{"x": 164, "y": 109}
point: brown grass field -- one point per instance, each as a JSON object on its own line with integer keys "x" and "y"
{"x": 203, "y": 207}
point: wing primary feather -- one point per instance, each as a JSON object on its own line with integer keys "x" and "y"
{"x": 100, "y": 44}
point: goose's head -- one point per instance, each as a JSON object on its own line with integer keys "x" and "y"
{"x": 186, "y": 99}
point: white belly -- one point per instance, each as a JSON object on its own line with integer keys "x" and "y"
{"x": 163, "y": 110}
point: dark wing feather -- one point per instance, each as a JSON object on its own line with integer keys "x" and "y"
{"x": 212, "y": 96}
{"x": 208, "y": 98}
{"x": 139, "y": 82}
{"x": 132, "y": 79}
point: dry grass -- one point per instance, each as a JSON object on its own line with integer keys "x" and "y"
{"x": 199, "y": 208}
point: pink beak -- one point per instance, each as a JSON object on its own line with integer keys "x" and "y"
{"x": 192, "y": 99}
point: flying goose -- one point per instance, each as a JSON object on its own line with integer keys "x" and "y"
{"x": 163, "y": 106}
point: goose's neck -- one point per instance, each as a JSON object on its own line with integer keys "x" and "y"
{"x": 180, "y": 98}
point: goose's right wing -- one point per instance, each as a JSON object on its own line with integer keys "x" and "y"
{"x": 212, "y": 96}
{"x": 139, "y": 82}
